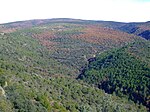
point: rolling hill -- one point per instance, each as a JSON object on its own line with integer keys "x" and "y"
{"x": 70, "y": 42}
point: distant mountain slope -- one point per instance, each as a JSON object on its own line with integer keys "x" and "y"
{"x": 67, "y": 41}
{"x": 140, "y": 29}
{"x": 13, "y": 26}
{"x": 125, "y": 71}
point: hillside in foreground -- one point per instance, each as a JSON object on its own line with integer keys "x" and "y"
{"x": 41, "y": 59}
{"x": 23, "y": 92}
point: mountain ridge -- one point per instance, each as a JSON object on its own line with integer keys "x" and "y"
{"x": 138, "y": 28}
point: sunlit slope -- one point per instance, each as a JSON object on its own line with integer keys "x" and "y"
{"x": 58, "y": 42}
{"x": 72, "y": 43}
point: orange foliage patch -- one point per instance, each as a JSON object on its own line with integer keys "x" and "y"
{"x": 9, "y": 30}
{"x": 44, "y": 39}
{"x": 97, "y": 34}
{"x": 91, "y": 33}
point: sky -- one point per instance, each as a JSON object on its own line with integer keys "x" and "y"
{"x": 108, "y": 10}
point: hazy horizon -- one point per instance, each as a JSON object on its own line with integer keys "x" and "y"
{"x": 71, "y": 18}
{"x": 105, "y": 10}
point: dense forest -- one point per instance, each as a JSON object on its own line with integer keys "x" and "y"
{"x": 23, "y": 92}
{"x": 124, "y": 72}
{"x": 67, "y": 65}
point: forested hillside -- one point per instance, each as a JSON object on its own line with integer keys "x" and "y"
{"x": 67, "y": 42}
{"x": 124, "y": 72}
{"x": 40, "y": 61}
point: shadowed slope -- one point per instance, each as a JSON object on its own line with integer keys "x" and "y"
{"x": 125, "y": 71}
